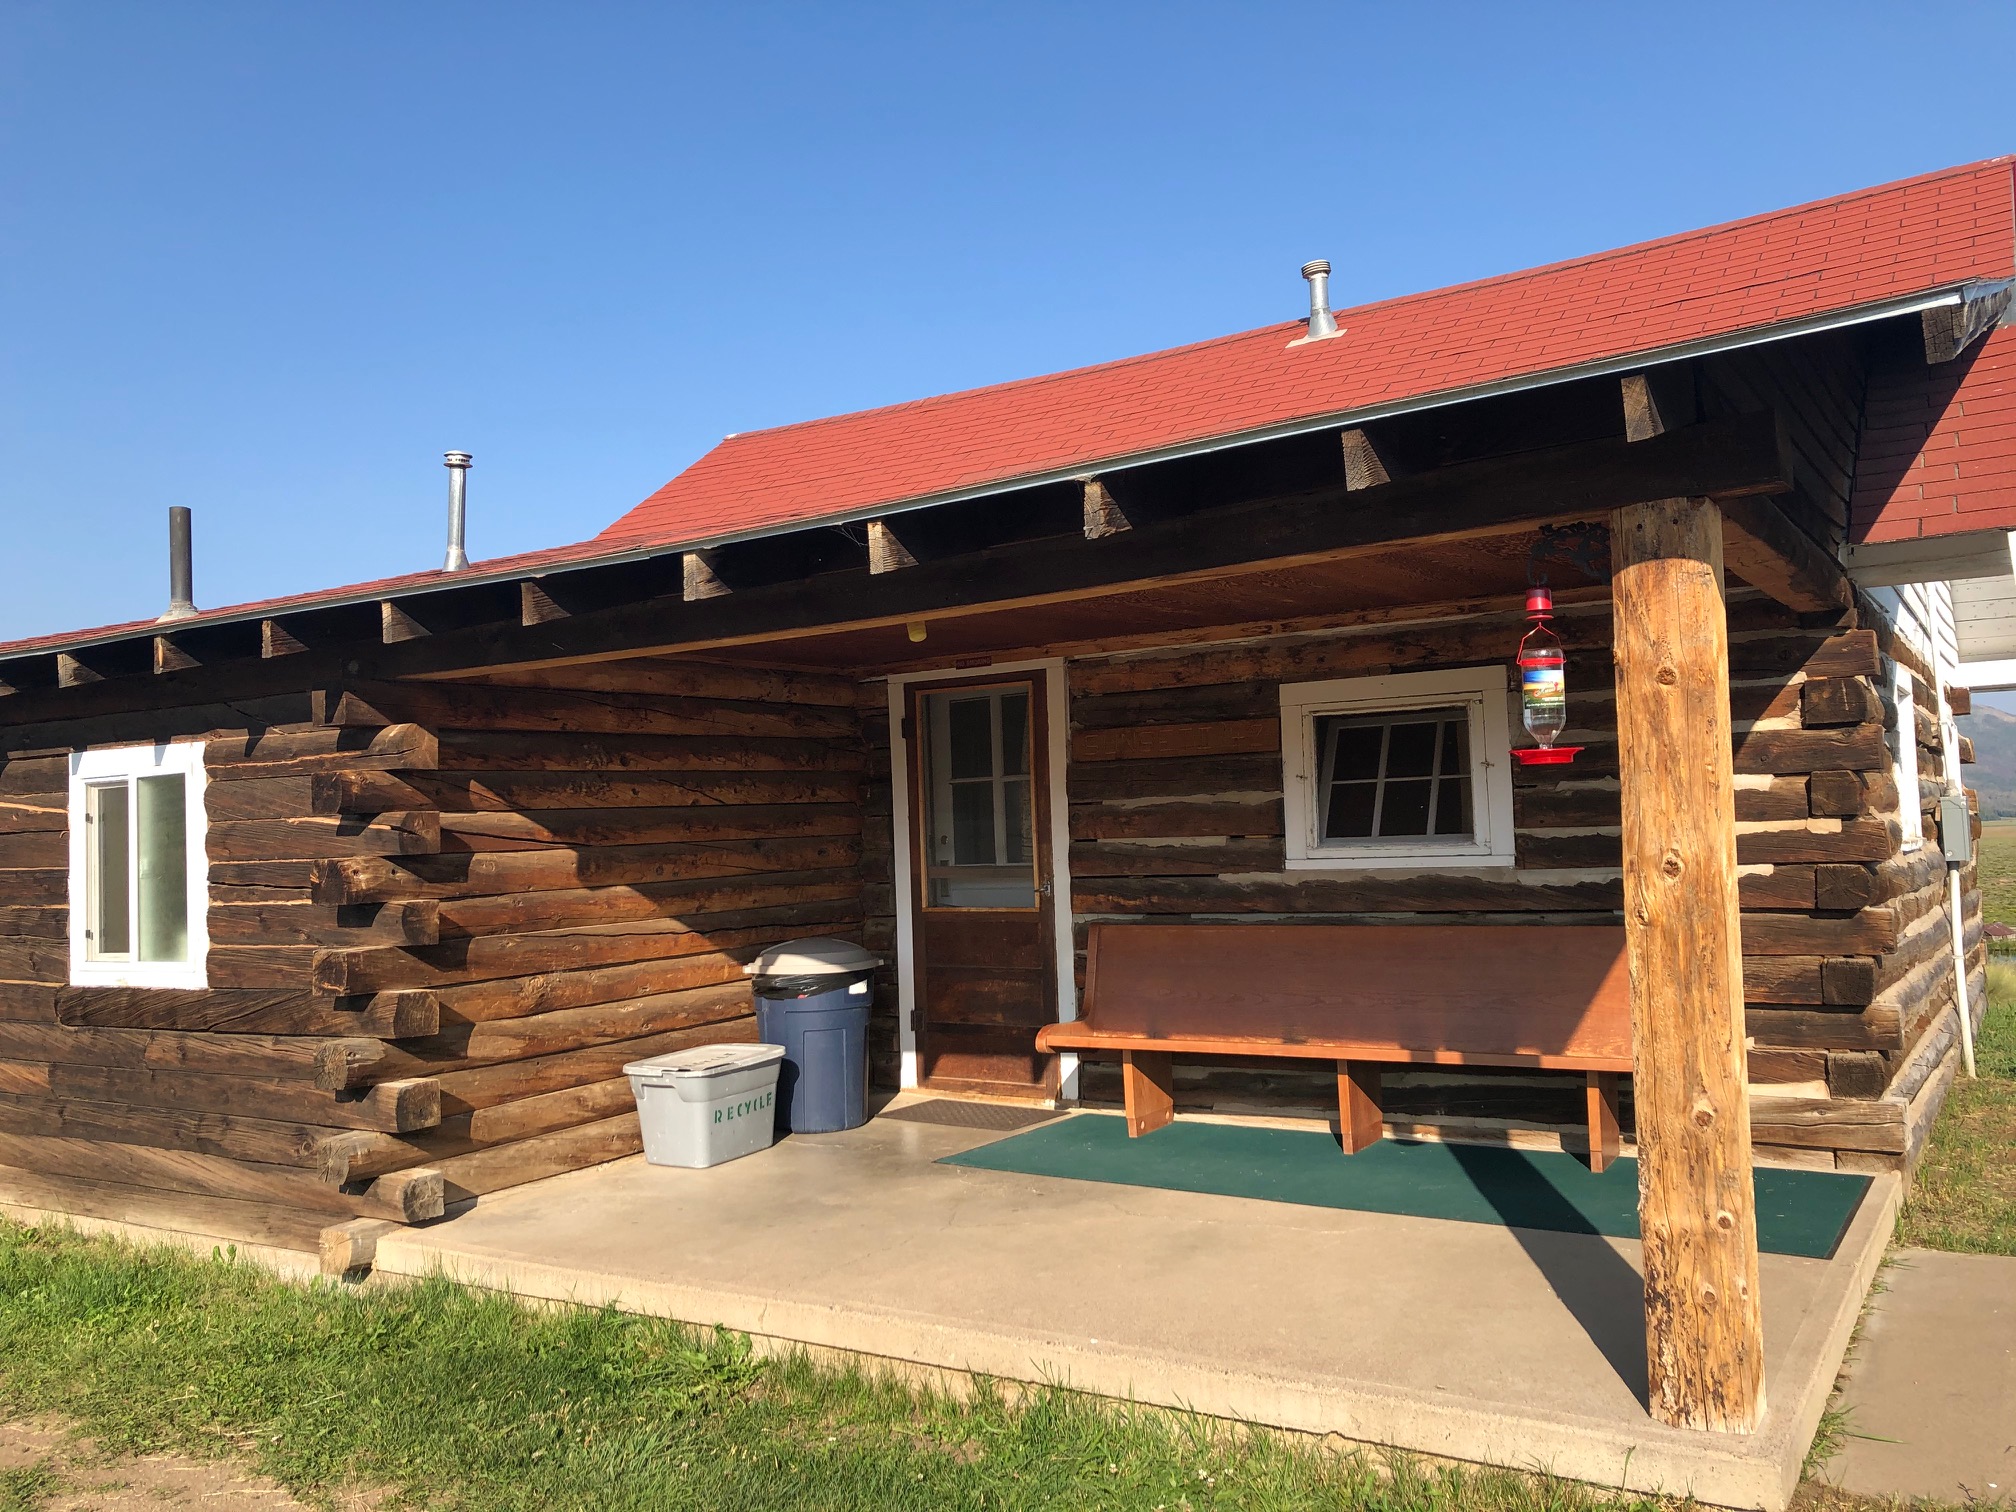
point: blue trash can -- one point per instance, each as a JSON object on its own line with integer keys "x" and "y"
{"x": 812, "y": 997}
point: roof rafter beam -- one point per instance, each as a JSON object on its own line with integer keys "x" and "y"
{"x": 1760, "y": 544}
{"x": 276, "y": 638}
{"x": 1366, "y": 464}
{"x": 699, "y": 577}
{"x": 171, "y": 656}
{"x": 1951, "y": 329}
{"x": 887, "y": 551}
{"x": 1732, "y": 456}
{"x": 1103, "y": 515}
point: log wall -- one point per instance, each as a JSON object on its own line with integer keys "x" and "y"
{"x": 1175, "y": 806}
{"x": 200, "y": 1109}
{"x": 442, "y": 918}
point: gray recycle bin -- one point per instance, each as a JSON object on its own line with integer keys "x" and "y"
{"x": 712, "y": 1103}
{"x": 812, "y": 997}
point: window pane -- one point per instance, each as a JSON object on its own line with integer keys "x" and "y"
{"x": 109, "y": 930}
{"x": 970, "y": 725}
{"x": 1395, "y": 776}
{"x": 1350, "y": 811}
{"x": 1410, "y": 752}
{"x": 1015, "y": 805}
{"x": 1015, "y": 734}
{"x": 1455, "y": 748}
{"x": 164, "y": 869}
{"x": 1357, "y": 750}
{"x": 1452, "y": 806}
{"x": 973, "y": 824}
{"x": 1404, "y": 809}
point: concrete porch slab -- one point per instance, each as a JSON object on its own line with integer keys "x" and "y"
{"x": 1468, "y": 1341}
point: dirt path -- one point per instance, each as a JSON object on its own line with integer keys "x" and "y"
{"x": 42, "y": 1467}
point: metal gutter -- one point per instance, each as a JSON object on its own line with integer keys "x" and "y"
{"x": 1707, "y": 346}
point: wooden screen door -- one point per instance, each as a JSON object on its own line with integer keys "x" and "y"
{"x": 985, "y": 965}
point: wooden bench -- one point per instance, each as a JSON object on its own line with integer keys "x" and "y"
{"x": 1362, "y": 995}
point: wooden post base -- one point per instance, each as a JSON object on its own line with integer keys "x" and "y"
{"x": 1604, "y": 1137}
{"x": 1361, "y": 1120}
{"x": 1149, "y": 1079}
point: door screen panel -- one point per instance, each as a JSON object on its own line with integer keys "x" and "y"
{"x": 985, "y": 944}
{"x": 980, "y": 850}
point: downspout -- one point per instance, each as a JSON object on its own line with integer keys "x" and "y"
{"x": 1949, "y": 741}
{"x": 1960, "y": 974}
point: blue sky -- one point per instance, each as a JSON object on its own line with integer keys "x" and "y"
{"x": 271, "y": 260}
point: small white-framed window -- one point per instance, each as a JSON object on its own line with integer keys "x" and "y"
{"x": 1412, "y": 769}
{"x": 139, "y": 878}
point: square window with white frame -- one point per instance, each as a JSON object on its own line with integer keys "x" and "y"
{"x": 1412, "y": 769}
{"x": 139, "y": 877}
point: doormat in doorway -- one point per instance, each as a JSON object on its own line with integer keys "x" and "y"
{"x": 1798, "y": 1212}
{"x": 957, "y": 1114}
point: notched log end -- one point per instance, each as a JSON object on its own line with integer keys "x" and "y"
{"x": 410, "y": 1196}
{"x": 345, "y": 1064}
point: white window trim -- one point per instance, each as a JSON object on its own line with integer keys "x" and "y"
{"x": 141, "y": 761}
{"x": 1480, "y": 690}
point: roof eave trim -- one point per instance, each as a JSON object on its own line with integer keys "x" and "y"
{"x": 1707, "y": 346}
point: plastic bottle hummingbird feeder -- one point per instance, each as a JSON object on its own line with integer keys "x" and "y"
{"x": 1543, "y": 686}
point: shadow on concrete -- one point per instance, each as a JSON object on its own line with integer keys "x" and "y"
{"x": 1600, "y": 1288}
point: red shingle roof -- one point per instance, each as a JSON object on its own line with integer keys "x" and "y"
{"x": 1834, "y": 256}
{"x": 1939, "y": 447}
{"x": 1831, "y": 256}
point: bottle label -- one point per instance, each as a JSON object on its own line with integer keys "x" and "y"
{"x": 1543, "y": 687}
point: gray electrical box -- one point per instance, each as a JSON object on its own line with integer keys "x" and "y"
{"x": 1956, "y": 830}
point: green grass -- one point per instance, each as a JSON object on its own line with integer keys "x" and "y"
{"x": 1964, "y": 1198}
{"x": 26, "y": 1487}
{"x": 1997, "y": 856}
{"x": 467, "y": 1401}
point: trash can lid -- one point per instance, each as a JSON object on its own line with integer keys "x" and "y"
{"x": 814, "y": 956}
{"x": 706, "y": 1060}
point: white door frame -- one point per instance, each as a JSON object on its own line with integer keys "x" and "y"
{"x": 1057, "y": 711}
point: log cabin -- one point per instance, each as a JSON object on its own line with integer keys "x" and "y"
{"x": 347, "y": 908}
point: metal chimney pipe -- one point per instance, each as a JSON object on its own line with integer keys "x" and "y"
{"x": 1321, "y": 322}
{"x": 457, "y": 464}
{"x": 180, "y": 574}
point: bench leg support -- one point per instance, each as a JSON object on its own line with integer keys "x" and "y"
{"x": 1149, "y": 1078}
{"x": 1361, "y": 1120}
{"x": 1604, "y": 1139}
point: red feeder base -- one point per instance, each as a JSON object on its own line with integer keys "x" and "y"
{"x": 1545, "y": 755}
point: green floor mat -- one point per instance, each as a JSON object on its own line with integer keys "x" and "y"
{"x": 1798, "y": 1212}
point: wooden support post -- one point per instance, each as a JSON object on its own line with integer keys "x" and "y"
{"x": 700, "y": 579}
{"x": 885, "y": 552}
{"x": 1697, "y": 1207}
{"x": 1103, "y": 517}
{"x": 1605, "y": 1138}
{"x": 1361, "y": 1116}
{"x": 1363, "y": 466}
{"x": 1148, "y": 1078}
